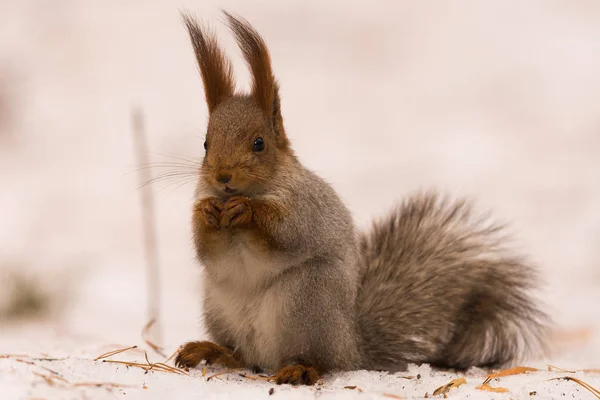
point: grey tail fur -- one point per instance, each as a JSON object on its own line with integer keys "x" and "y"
{"x": 439, "y": 286}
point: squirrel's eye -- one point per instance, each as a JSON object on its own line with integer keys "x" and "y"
{"x": 259, "y": 144}
{"x": 205, "y": 145}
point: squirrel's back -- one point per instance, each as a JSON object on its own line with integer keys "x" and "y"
{"x": 437, "y": 286}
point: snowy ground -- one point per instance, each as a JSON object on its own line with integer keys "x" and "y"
{"x": 51, "y": 376}
{"x": 497, "y": 100}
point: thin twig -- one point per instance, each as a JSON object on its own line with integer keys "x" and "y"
{"x": 149, "y": 225}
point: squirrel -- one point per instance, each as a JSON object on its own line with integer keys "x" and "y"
{"x": 291, "y": 286}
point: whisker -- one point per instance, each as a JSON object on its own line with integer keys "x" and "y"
{"x": 179, "y": 184}
{"x": 166, "y": 164}
{"x": 176, "y": 173}
{"x": 169, "y": 175}
{"x": 185, "y": 182}
{"x": 193, "y": 168}
{"x": 180, "y": 158}
{"x": 175, "y": 182}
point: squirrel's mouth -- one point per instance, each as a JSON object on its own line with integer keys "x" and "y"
{"x": 229, "y": 190}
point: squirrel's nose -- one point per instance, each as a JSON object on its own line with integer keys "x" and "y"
{"x": 223, "y": 178}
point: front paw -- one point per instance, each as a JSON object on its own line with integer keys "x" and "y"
{"x": 297, "y": 374}
{"x": 193, "y": 353}
{"x": 208, "y": 212}
{"x": 236, "y": 211}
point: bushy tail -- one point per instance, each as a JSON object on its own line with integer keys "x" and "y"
{"x": 439, "y": 286}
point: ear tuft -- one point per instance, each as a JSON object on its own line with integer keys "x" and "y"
{"x": 258, "y": 59}
{"x": 215, "y": 69}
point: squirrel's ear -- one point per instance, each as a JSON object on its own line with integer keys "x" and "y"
{"x": 215, "y": 69}
{"x": 265, "y": 89}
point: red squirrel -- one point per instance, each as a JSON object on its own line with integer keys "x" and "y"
{"x": 290, "y": 284}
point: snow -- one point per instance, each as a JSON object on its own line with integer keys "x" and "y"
{"x": 22, "y": 380}
{"x": 497, "y": 100}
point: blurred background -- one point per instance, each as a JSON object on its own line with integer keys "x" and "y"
{"x": 495, "y": 100}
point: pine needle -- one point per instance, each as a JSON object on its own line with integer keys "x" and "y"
{"x": 162, "y": 367}
{"x": 109, "y": 385}
{"x": 146, "y": 338}
{"x": 255, "y": 377}
{"x": 25, "y": 361}
{"x": 392, "y": 396}
{"x": 446, "y": 388}
{"x": 508, "y": 372}
{"x": 14, "y": 355}
{"x": 589, "y": 387}
{"x": 555, "y": 368}
{"x": 114, "y": 352}
{"x": 174, "y": 354}
{"x": 488, "y": 388}
{"x": 228, "y": 371}
{"x": 50, "y": 380}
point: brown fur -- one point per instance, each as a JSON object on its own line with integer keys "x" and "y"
{"x": 265, "y": 89}
{"x": 466, "y": 296}
{"x": 291, "y": 287}
{"x": 216, "y": 71}
{"x": 297, "y": 374}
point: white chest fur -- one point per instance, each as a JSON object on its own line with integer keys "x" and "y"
{"x": 238, "y": 287}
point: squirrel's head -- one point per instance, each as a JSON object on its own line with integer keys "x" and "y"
{"x": 245, "y": 138}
